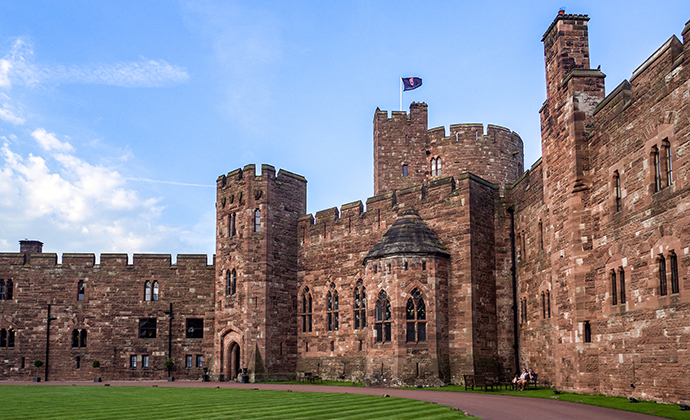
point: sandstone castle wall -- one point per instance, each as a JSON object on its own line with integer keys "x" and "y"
{"x": 578, "y": 267}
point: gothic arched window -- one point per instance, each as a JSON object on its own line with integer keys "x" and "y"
{"x": 231, "y": 282}
{"x": 332, "y": 309}
{"x": 383, "y": 318}
{"x": 155, "y": 290}
{"x": 147, "y": 291}
{"x": 306, "y": 310}
{"x": 360, "y": 306}
{"x": 415, "y": 315}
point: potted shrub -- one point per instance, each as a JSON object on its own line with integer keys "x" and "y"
{"x": 169, "y": 365}
{"x": 96, "y": 364}
{"x": 38, "y": 364}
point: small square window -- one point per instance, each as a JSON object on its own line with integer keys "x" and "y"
{"x": 188, "y": 361}
{"x": 145, "y": 361}
{"x": 147, "y": 327}
{"x": 199, "y": 360}
{"x": 195, "y": 328}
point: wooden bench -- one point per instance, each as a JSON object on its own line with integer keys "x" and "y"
{"x": 478, "y": 381}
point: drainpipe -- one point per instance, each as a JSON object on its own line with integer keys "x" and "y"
{"x": 170, "y": 314}
{"x": 45, "y": 378}
{"x": 513, "y": 273}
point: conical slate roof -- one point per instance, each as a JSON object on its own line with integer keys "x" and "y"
{"x": 408, "y": 235}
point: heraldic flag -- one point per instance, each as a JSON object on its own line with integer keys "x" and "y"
{"x": 411, "y": 83}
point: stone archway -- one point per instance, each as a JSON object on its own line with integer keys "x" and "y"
{"x": 231, "y": 364}
{"x": 231, "y": 356}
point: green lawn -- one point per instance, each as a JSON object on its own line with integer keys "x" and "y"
{"x": 100, "y": 402}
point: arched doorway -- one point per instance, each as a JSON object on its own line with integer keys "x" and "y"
{"x": 230, "y": 354}
{"x": 232, "y": 362}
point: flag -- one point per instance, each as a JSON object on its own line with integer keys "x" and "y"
{"x": 410, "y": 83}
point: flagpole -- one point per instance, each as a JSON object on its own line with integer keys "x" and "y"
{"x": 401, "y": 93}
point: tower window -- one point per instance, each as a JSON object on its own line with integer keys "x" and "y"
{"x": 657, "y": 169}
{"x": 614, "y": 291}
{"x": 147, "y": 291}
{"x": 588, "y": 332}
{"x": 666, "y": 145}
{"x": 155, "y": 291}
{"x": 231, "y": 282}
{"x": 663, "y": 289}
{"x": 257, "y": 220}
{"x": 80, "y": 290}
{"x": 674, "y": 273}
{"x": 404, "y": 170}
{"x": 617, "y": 188}
{"x": 621, "y": 276}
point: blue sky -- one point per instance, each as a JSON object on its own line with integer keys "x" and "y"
{"x": 116, "y": 118}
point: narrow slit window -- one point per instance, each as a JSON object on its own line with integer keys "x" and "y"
{"x": 675, "y": 287}
{"x": 669, "y": 163}
{"x": 617, "y": 187}
{"x": 657, "y": 169}
{"x": 621, "y": 278}
{"x": 80, "y": 290}
{"x": 147, "y": 291}
{"x": 614, "y": 288}
{"x": 257, "y": 220}
{"x": 155, "y": 291}
{"x": 404, "y": 171}
{"x": 663, "y": 289}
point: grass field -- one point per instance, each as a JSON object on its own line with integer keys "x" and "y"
{"x": 98, "y": 402}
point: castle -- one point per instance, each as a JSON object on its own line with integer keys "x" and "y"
{"x": 462, "y": 263}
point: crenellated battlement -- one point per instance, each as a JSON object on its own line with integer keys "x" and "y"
{"x": 406, "y": 153}
{"x": 381, "y": 210}
{"x": 109, "y": 260}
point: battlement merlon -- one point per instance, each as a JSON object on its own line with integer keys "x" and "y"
{"x": 472, "y": 132}
{"x": 418, "y": 112}
{"x": 267, "y": 172}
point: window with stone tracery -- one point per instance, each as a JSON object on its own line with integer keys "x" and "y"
{"x": 332, "y": 309}
{"x": 231, "y": 282}
{"x": 306, "y": 310}
{"x": 383, "y": 318}
{"x": 415, "y": 315}
{"x": 360, "y": 306}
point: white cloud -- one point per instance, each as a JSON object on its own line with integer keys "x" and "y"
{"x": 18, "y": 67}
{"x": 49, "y": 142}
{"x": 9, "y": 114}
{"x": 65, "y": 192}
